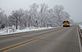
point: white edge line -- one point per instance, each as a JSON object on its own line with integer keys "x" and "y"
{"x": 79, "y": 40}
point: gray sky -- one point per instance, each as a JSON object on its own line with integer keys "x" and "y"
{"x": 73, "y": 7}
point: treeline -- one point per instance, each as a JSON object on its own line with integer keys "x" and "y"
{"x": 37, "y": 16}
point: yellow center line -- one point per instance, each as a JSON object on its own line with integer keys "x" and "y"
{"x": 25, "y": 43}
{"x": 21, "y": 43}
{"x": 32, "y": 41}
{"x": 15, "y": 45}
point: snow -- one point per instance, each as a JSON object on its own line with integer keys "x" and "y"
{"x": 7, "y": 31}
{"x": 80, "y": 26}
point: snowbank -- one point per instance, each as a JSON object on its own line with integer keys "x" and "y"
{"x": 80, "y": 26}
{"x": 7, "y": 31}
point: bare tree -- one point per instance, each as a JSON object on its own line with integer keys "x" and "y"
{"x": 15, "y": 18}
{"x": 3, "y": 19}
{"x": 33, "y": 15}
{"x": 37, "y": 16}
{"x": 43, "y": 14}
{"x": 58, "y": 9}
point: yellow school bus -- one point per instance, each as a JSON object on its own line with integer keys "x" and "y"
{"x": 66, "y": 23}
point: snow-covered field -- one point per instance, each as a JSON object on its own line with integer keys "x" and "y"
{"x": 7, "y": 31}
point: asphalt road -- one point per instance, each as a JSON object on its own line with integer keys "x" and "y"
{"x": 51, "y": 40}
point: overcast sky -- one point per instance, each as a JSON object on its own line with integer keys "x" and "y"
{"x": 73, "y": 7}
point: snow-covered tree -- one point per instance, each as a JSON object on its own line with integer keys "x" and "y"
{"x": 3, "y": 19}
{"x": 15, "y": 18}
{"x": 57, "y": 12}
{"x": 60, "y": 14}
{"x": 43, "y": 15}
{"x": 33, "y": 14}
{"x": 37, "y": 16}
